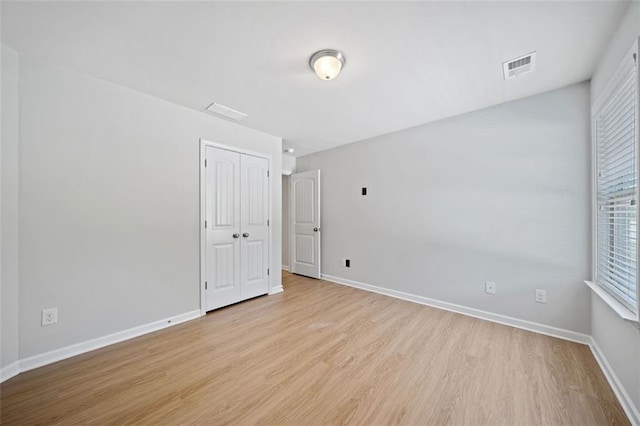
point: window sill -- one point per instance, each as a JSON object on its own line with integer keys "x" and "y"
{"x": 613, "y": 303}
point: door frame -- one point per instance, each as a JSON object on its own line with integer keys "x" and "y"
{"x": 203, "y": 145}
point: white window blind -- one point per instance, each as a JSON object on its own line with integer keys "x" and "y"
{"x": 617, "y": 186}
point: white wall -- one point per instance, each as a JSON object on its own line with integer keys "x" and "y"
{"x": 501, "y": 194}
{"x": 109, "y": 205}
{"x": 285, "y": 221}
{"x": 9, "y": 211}
{"x": 288, "y": 164}
{"x": 288, "y": 167}
{"x": 617, "y": 339}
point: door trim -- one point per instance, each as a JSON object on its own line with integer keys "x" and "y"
{"x": 203, "y": 144}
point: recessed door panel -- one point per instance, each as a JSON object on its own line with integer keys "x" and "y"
{"x": 304, "y": 191}
{"x": 255, "y": 253}
{"x": 222, "y": 266}
{"x": 305, "y": 252}
{"x": 225, "y": 175}
{"x": 256, "y": 196}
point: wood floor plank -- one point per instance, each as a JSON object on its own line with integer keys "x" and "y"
{"x": 319, "y": 354}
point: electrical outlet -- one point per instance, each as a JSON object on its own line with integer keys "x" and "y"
{"x": 490, "y": 287}
{"x": 541, "y": 296}
{"x": 49, "y": 316}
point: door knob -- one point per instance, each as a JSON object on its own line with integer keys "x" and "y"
{"x": 236, "y": 235}
{"x": 315, "y": 229}
{"x": 246, "y": 234}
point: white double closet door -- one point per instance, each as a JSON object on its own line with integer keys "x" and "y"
{"x": 236, "y": 228}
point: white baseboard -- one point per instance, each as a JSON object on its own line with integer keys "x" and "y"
{"x": 464, "y": 310}
{"x": 9, "y": 371}
{"x": 627, "y": 403}
{"x": 100, "y": 342}
{"x": 276, "y": 290}
{"x": 285, "y": 268}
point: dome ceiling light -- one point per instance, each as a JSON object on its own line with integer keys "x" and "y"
{"x": 327, "y": 63}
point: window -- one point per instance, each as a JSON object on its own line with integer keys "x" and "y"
{"x": 616, "y": 163}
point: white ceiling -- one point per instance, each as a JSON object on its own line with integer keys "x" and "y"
{"x": 408, "y": 63}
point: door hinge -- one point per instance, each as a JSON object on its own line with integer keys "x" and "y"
{"x": 205, "y": 285}
{"x": 205, "y": 162}
{"x": 267, "y": 222}
{"x": 205, "y": 224}
{"x": 268, "y": 271}
{"x": 267, "y": 173}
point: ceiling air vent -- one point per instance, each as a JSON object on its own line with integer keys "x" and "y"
{"x": 518, "y": 66}
{"x": 226, "y": 111}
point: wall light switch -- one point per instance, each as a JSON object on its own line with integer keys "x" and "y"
{"x": 541, "y": 296}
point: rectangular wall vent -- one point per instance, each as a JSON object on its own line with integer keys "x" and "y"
{"x": 519, "y": 66}
{"x": 226, "y": 111}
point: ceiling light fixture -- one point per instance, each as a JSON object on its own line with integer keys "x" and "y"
{"x": 289, "y": 150}
{"x": 327, "y": 63}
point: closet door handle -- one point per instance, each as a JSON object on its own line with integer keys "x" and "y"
{"x": 246, "y": 234}
{"x": 236, "y": 235}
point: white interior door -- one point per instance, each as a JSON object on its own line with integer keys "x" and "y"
{"x": 254, "y": 214}
{"x": 304, "y": 198}
{"x": 222, "y": 228}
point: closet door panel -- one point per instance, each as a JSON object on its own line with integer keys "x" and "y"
{"x": 254, "y": 216}
{"x": 222, "y": 210}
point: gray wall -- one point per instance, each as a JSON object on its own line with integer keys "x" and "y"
{"x": 285, "y": 221}
{"x": 501, "y": 194}
{"x": 109, "y": 205}
{"x": 618, "y": 340}
{"x": 9, "y": 230}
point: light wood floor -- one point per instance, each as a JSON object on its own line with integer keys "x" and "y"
{"x": 321, "y": 353}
